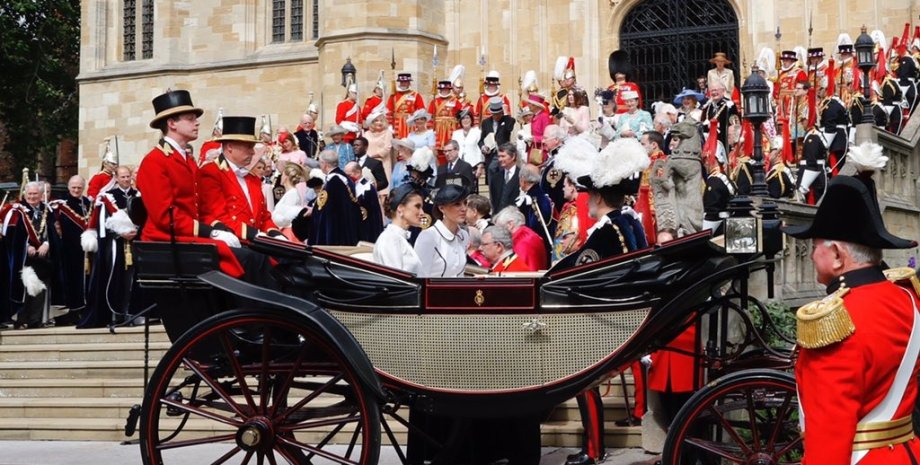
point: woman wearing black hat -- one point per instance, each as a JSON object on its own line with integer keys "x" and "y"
{"x": 442, "y": 247}
{"x": 404, "y": 208}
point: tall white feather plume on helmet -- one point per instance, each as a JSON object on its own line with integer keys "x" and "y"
{"x": 266, "y": 125}
{"x": 559, "y": 69}
{"x": 801, "y": 54}
{"x": 867, "y": 156}
{"x": 620, "y": 160}
{"x": 576, "y": 157}
{"x": 219, "y": 122}
{"x": 879, "y": 38}
{"x": 529, "y": 83}
{"x": 456, "y": 76}
{"x": 844, "y": 39}
{"x": 766, "y": 61}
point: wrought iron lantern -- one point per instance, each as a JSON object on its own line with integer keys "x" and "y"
{"x": 348, "y": 73}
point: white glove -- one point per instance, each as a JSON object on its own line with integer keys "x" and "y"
{"x": 226, "y": 237}
{"x": 646, "y": 361}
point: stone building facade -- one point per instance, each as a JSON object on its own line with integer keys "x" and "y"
{"x": 256, "y": 57}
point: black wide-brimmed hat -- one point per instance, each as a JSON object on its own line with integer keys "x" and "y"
{"x": 449, "y": 194}
{"x": 849, "y": 213}
{"x": 398, "y": 195}
{"x": 628, "y": 186}
{"x": 239, "y": 128}
{"x": 173, "y": 102}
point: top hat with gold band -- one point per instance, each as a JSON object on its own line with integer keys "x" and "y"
{"x": 173, "y": 102}
{"x": 239, "y": 129}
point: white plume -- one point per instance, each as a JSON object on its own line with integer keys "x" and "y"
{"x": 89, "y": 240}
{"x": 766, "y": 61}
{"x": 867, "y": 156}
{"x": 844, "y": 39}
{"x": 421, "y": 159}
{"x": 576, "y": 157}
{"x": 801, "y": 54}
{"x": 879, "y": 38}
{"x": 530, "y": 79}
{"x": 620, "y": 160}
{"x": 456, "y": 74}
{"x": 120, "y": 223}
{"x": 34, "y": 286}
{"x": 559, "y": 70}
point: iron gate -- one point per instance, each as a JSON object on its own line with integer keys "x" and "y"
{"x": 670, "y": 42}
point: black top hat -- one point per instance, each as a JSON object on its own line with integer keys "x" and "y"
{"x": 173, "y": 102}
{"x": 442, "y": 85}
{"x": 845, "y": 48}
{"x": 404, "y": 77}
{"x": 849, "y": 213}
{"x": 816, "y": 52}
{"x": 450, "y": 193}
{"x": 239, "y": 128}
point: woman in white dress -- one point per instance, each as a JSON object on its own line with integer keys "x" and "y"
{"x": 292, "y": 202}
{"x": 442, "y": 247}
{"x": 467, "y": 138}
{"x": 392, "y": 248}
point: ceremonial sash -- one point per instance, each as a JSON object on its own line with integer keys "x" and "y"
{"x": 73, "y": 216}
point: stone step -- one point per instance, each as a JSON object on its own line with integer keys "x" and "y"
{"x": 559, "y": 434}
{"x": 614, "y": 409}
{"x": 99, "y": 351}
{"x": 84, "y": 369}
{"x": 72, "y": 335}
{"x": 70, "y": 388}
{"x": 75, "y": 409}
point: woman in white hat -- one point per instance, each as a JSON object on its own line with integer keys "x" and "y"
{"x": 380, "y": 142}
{"x": 404, "y": 149}
{"x": 420, "y": 135}
{"x": 634, "y": 122}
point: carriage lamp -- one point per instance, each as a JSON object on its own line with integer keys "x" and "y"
{"x": 864, "y": 60}
{"x": 742, "y": 229}
{"x": 757, "y": 110}
{"x": 348, "y": 73}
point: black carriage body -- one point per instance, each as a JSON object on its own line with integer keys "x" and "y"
{"x": 500, "y": 346}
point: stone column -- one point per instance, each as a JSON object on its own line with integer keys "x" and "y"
{"x": 372, "y": 34}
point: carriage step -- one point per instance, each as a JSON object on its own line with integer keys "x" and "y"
{"x": 98, "y": 351}
{"x": 73, "y": 369}
{"x": 75, "y": 409}
{"x": 71, "y": 335}
{"x": 568, "y": 434}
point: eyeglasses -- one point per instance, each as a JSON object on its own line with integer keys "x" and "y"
{"x": 485, "y": 244}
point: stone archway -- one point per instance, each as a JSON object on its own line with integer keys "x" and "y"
{"x": 670, "y": 42}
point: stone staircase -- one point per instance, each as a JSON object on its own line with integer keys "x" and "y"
{"x": 78, "y": 385}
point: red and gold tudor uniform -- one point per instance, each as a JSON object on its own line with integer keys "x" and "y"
{"x": 402, "y": 104}
{"x": 221, "y": 200}
{"x": 856, "y": 372}
{"x": 444, "y": 111}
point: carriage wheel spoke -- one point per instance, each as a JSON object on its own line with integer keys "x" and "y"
{"x": 354, "y": 440}
{"x": 310, "y": 397}
{"x": 332, "y": 434}
{"x": 714, "y": 447}
{"x": 271, "y": 458}
{"x": 237, "y": 370}
{"x": 789, "y": 447}
{"x": 247, "y": 458}
{"x": 214, "y": 385}
{"x": 730, "y": 430}
{"x": 392, "y": 438}
{"x": 780, "y": 416}
{"x": 279, "y": 398}
{"x": 264, "y": 385}
{"x": 287, "y": 456}
{"x": 196, "y": 442}
{"x": 201, "y": 412}
{"x": 752, "y": 415}
{"x": 260, "y": 458}
{"x": 316, "y": 451}
{"x": 320, "y": 423}
{"x": 227, "y": 456}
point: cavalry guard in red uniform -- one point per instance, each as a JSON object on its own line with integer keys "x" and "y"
{"x": 564, "y": 74}
{"x": 375, "y": 99}
{"x": 348, "y": 114}
{"x": 105, "y": 179}
{"x": 856, "y": 372}
{"x": 402, "y": 104}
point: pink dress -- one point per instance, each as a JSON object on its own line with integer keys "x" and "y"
{"x": 379, "y": 145}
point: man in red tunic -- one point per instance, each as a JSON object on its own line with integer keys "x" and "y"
{"x": 349, "y": 112}
{"x": 105, "y": 179}
{"x": 402, "y": 104}
{"x": 227, "y": 192}
{"x": 491, "y": 88}
{"x": 444, "y": 108}
{"x": 784, "y": 92}
{"x": 621, "y": 69}
{"x": 856, "y": 371}
{"x": 497, "y": 246}
{"x": 373, "y": 101}
{"x": 528, "y": 245}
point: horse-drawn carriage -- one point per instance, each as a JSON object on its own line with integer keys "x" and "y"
{"x": 322, "y": 370}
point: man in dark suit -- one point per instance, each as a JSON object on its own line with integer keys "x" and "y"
{"x": 504, "y": 173}
{"x": 499, "y": 125}
{"x": 376, "y": 166}
{"x": 455, "y": 171}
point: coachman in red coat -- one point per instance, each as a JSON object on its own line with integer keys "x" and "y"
{"x": 857, "y": 368}
{"x": 228, "y": 193}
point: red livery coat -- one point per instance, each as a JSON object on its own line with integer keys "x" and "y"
{"x": 481, "y": 112}
{"x": 97, "y": 183}
{"x": 167, "y": 179}
{"x": 840, "y": 383}
{"x": 509, "y": 264}
{"x": 221, "y": 199}
{"x": 400, "y": 106}
{"x": 350, "y": 111}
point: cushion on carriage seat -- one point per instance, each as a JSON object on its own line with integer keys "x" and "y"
{"x": 156, "y": 261}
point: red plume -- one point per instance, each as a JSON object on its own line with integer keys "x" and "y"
{"x": 788, "y": 157}
{"x": 831, "y": 78}
{"x": 881, "y": 67}
{"x": 895, "y": 47}
{"x": 916, "y": 33}
{"x": 905, "y": 37}
{"x": 747, "y": 131}
{"x": 812, "y": 107}
{"x": 571, "y": 64}
{"x": 712, "y": 142}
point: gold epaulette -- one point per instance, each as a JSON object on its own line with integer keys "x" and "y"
{"x": 824, "y": 322}
{"x": 897, "y": 275}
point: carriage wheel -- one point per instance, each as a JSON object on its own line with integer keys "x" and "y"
{"x": 260, "y": 387}
{"x": 747, "y": 417}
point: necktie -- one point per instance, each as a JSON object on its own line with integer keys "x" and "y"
{"x": 450, "y": 167}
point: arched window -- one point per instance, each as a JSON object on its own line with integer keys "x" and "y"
{"x": 670, "y": 42}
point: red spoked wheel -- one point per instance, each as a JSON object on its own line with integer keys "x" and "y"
{"x": 257, "y": 387}
{"x": 747, "y": 417}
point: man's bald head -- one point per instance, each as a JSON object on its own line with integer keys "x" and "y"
{"x": 75, "y": 185}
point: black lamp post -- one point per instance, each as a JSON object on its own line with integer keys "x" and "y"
{"x": 864, "y": 59}
{"x": 348, "y": 73}
{"x": 757, "y": 110}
